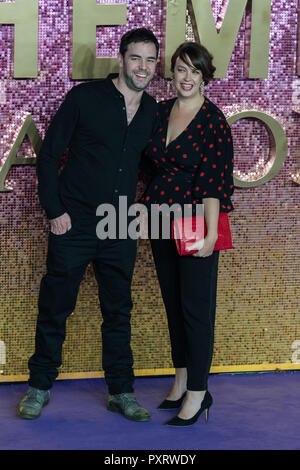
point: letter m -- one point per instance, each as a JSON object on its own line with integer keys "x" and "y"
{"x": 220, "y": 43}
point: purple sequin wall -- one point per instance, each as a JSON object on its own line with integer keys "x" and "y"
{"x": 261, "y": 307}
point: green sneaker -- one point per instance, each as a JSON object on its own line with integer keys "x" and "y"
{"x": 34, "y": 400}
{"x": 127, "y": 404}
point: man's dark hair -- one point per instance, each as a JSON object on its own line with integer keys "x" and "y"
{"x": 138, "y": 35}
{"x": 199, "y": 56}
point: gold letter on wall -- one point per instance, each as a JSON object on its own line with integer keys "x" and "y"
{"x": 24, "y": 14}
{"x": 87, "y": 15}
{"x": 278, "y": 147}
{"x": 175, "y": 31}
{"x": 220, "y": 44}
{"x": 29, "y": 129}
{"x": 260, "y": 39}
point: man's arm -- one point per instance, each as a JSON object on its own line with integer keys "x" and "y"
{"x": 56, "y": 141}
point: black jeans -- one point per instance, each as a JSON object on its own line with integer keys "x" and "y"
{"x": 67, "y": 260}
{"x": 189, "y": 287}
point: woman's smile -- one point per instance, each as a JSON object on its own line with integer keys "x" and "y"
{"x": 186, "y": 86}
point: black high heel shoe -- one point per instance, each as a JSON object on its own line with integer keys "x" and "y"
{"x": 205, "y": 405}
{"x": 171, "y": 404}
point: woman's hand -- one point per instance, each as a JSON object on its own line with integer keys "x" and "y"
{"x": 205, "y": 248}
{"x": 211, "y": 213}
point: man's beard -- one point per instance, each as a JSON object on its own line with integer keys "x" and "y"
{"x": 132, "y": 85}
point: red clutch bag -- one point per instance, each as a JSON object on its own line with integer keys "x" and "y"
{"x": 188, "y": 230}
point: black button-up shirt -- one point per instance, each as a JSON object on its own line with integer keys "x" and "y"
{"x": 103, "y": 150}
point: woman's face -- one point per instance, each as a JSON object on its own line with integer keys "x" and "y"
{"x": 186, "y": 78}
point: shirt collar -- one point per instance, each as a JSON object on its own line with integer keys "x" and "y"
{"x": 109, "y": 83}
{"x": 111, "y": 87}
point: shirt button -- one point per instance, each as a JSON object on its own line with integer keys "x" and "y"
{"x": 116, "y": 190}
{"x": 124, "y": 149}
{"x": 120, "y": 169}
{"x": 123, "y": 108}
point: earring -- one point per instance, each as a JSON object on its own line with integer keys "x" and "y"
{"x": 201, "y": 88}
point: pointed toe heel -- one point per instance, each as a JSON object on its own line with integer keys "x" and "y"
{"x": 205, "y": 405}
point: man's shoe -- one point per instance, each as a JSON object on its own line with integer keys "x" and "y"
{"x": 127, "y": 404}
{"x": 34, "y": 400}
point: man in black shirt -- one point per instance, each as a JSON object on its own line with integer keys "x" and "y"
{"x": 105, "y": 124}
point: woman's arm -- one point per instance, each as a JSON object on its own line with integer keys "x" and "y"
{"x": 211, "y": 215}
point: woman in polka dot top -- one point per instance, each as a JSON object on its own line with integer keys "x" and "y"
{"x": 192, "y": 152}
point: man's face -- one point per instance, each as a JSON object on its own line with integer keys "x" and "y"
{"x": 137, "y": 67}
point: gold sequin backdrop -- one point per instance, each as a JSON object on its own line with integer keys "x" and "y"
{"x": 258, "y": 320}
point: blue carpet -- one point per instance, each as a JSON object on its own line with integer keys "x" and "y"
{"x": 250, "y": 412}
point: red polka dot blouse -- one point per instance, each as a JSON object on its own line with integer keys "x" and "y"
{"x": 198, "y": 164}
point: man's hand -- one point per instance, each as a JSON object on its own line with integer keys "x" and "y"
{"x": 61, "y": 224}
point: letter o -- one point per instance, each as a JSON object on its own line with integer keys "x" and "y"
{"x": 278, "y": 146}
